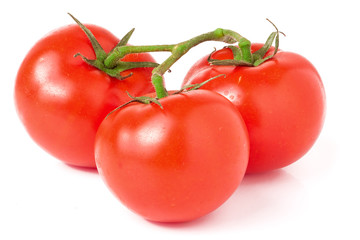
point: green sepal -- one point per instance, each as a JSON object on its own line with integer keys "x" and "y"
{"x": 101, "y": 55}
{"x": 125, "y": 39}
{"x": 259, "y": 54}
{"x": 262, "y": 51}
{"x": 229, "y": 62}
{"x": 196, "y": 86}
{"x": 236, "y": 52}
{"x": 122, "y": 42}
{"x": 145, "y": 100}
{"x": 257, "y": 57}
{"x": 142, "y": 99}
{"x": 236, "y": 61}
{"x": 99, "y": 51}
{"x": 111, "y": 72}
{"x": 127, "y": 103}
{"x": 91, "y": 62}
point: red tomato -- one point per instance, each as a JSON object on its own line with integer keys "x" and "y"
{"x": 61, "y": 100}
{"x": 177, "y": 163}
{"x": 282, "y": 102}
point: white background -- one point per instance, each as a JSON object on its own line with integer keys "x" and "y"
{"x": 315, "y": 198}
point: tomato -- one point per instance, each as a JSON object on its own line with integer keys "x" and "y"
{"x": 177, "y": 163}
{"x": 62, "y": 100}
{"x": 282, "y": 102}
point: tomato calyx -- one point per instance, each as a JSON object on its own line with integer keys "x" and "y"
{"x": 145, "y": 100}
{"x": 101, "y": 55}
{"x": 257, "y": 57}
{"x": 192, "y": 87}
{"x": 148, "y": 99}
{"x": 142, "y": 99}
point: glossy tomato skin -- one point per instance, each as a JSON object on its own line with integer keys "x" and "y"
{"x": 177, "y": 163}
{"x": 282, "y": 102}
{"x": 61, "y": 100}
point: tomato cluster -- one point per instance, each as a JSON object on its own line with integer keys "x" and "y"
{"x": 177, "y": 157}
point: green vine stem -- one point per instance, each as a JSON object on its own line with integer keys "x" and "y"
{"x": 111, "y": 63}
{"x": 177, "y": 51}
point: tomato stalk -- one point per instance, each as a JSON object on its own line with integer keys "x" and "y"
{"x": 177, "y": 51}
{"x": 111, "y": 62}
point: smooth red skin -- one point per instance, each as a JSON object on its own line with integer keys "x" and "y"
{"x": 175, "y": 164}
{"x": 282, "y": 102}
{"x": 61, "y": 100}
